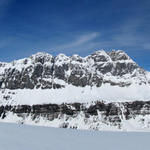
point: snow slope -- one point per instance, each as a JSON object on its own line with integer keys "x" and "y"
{"x": 71, "y": 94}
{"x": 23, "y": 137}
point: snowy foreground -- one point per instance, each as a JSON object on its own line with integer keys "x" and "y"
{"x": 23, "y": 137}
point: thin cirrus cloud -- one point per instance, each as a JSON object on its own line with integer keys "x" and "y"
{"x": 80, "y": 40}
{"x": 76, "y": 43}
{"x": 129, "y": 34}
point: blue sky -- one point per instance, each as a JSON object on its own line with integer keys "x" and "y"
{"x": 79, "y": 26}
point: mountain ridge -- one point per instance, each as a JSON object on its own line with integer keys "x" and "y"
{"x": 76, "y": 70}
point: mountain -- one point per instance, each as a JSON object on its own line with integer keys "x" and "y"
{"x": 45, "y": 71}
{"x": 104, "y": 90}
{"x": 80, "y": 79}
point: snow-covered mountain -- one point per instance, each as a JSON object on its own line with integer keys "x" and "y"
{"x": 45, "y": 71}
{"x": 100, "y": 91}
{"x": 47, "y": 79}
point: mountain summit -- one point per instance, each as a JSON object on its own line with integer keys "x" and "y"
{"x": 44, "y": 71}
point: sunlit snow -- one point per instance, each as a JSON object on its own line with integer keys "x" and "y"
{"x": 23, "y": 137}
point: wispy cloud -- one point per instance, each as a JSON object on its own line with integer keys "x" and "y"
{"x": 78, "y": 43}
{"x": 131, "y": 34}
{"x": 128, "y": 35}
{"x": 80, "y": 40}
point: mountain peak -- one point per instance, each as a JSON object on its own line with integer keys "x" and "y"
{"x": 118, "y": 55}
{"x": 100, "y": 56}
{"x": 41, "y": 57}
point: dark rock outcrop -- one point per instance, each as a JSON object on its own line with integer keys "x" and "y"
{"x": 112, "y": 113}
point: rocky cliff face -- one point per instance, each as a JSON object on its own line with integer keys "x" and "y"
{"x": 76, "y": 92}
{"x": 45, "y": 71}
{"x": 97, "y": 115}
